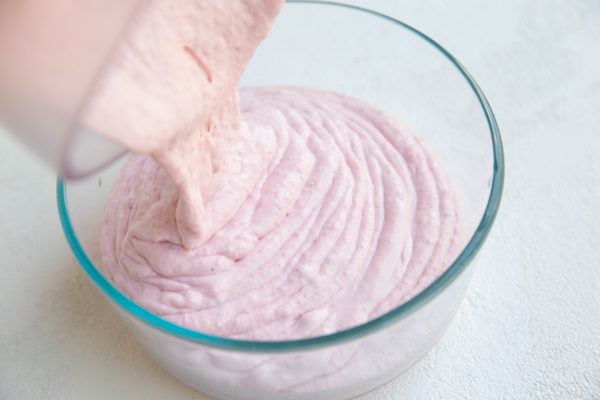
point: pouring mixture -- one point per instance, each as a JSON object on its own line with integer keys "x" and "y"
{"x": 261, "y": 213}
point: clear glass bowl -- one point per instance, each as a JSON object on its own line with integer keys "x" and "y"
{"x": 347, "y": 49}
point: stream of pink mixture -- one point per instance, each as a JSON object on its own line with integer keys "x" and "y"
{"x": 265, "y": 213}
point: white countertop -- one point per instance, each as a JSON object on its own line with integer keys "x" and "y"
{"x": 530, "y": 326}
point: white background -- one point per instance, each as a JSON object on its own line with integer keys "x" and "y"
{"x": 530, "y": 325}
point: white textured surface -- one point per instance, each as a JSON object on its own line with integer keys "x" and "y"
{"x": 530, "y": 327}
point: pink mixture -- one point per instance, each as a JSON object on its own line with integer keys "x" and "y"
{"x": 274, "y": 213}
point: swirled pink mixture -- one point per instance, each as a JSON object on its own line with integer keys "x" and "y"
{"x": 282, "y": 213}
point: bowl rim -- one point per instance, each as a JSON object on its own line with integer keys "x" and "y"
{"x": 369, "y": 327}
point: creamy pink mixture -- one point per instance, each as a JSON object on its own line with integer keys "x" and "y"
{"x": 279, "y": 213}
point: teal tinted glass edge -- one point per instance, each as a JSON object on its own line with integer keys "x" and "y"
{"x": 356, "y": 332}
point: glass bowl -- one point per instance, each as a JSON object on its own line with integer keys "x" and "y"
{"x": 388, "y": 64}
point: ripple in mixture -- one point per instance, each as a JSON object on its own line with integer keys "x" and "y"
{"x": 348, "y": 215}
